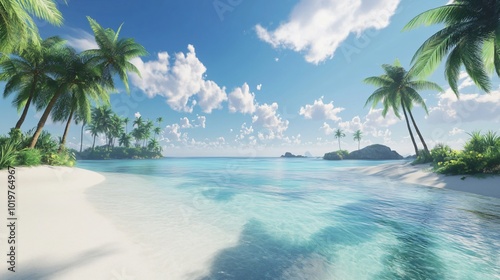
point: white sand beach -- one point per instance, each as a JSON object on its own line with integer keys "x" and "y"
{"x": 422, "y": 175}
{"x": 59, "y": 234}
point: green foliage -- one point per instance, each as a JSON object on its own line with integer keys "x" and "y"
{"x": 336, "y": 155}
{"x": 423, "y": 157}
{"x": 8, "y": 152}
{"x": 29, "y": 157}
{"x": 103, "y": 152}
{"x": 63, "y": 158}
{"x": 481, "y": 155}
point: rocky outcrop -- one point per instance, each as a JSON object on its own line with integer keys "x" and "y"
{"x": 290, "y": 155}
{"x": 374, "y": 152}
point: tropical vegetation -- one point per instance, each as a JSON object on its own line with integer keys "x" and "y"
{"x": 398, "y": 90}
{"x": 470, "y": 38}
{"x": 338, "y": 134}
{"x": 357, "y": 137}
{"x": 54, "y": 79}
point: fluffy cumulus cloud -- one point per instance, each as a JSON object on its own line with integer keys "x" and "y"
{"x": 318, "y": 27}
{"x": 320, "y": 111}
{"x": 259, "y": 86}
{"x": 266, "y": 116}
{"x": 184, "y": 123}
{"x": 183, "y": 83}
{"x": 373, "y": 124}
{"x": 202, "y": 121}
{"x": 242, "y": 100}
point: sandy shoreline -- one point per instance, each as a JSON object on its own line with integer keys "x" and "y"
{"x": 422, "y": 175}
{"x": 59, "y": 234}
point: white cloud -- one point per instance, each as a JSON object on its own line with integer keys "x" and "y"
{"x": 456, "y": 131}
{"x": 469, "y": 108}
{"x": 83, "y": 41}
{"x": 242, "y": 100}
{"x": 259, "y": 86}
{"x": 183, "y": 84}
{"x": 137, "y": 115}
{"x": 185, "y": 123}
{"x": 318, "y": 27}
{"x": 172, "y": 132}
{"x": 352, "y": 125}
{"x": 327, "y": 129}
{"x": 266, "y": 116}
{"x": 321, "y": 111}
{"x": 202, "y": 120}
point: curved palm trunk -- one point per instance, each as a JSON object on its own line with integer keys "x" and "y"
{"x": 93, "y": 143}
{"x": 44, "y": 118}
{"x": 27, "y": 106}
{"x": 409, "y": 128}
{"x": 66, "y": 129}
{"x": 418, "y": 132}
{"x": 81, "y": 137}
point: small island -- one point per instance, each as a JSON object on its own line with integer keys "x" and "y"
{"x": 290, "y": 155}
{"x": 372, "y": 152}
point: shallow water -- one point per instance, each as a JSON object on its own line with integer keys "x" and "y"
{"x": 258, "y": 218}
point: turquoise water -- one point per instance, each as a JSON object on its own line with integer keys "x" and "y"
{"x": 258, "y": 218}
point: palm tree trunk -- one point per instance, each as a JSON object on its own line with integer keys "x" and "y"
{"x": 66, "y": 129}
{"x": 358, "y": 144}
{"x": 418, "y": 132}
{"x": 27, "y": 106}
{"x": 81, "y": 137}
{"x": 409, "y": 128}
{"x": 93, "y": 143}
{"x": 44, "y": 118}
{"x": 339, "y": 145}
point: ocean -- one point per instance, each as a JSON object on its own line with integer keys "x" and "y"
{"x": 296, "y": 218}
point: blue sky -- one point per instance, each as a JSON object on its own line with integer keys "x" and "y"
{"x": 253, "y": 78}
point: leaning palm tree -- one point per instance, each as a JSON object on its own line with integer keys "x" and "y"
{"x": 339, "y": 134}
{"x": 125, "y": 140}
{"x": 398, "y": 90}
{"x": 157, "y": 131}
{"x": 113, "y": 55}
{"x": 75, "y": 75}
{"x": 17, "y": 27}
{"x": 82, "y": 120}
{"x": 357, "y": 137}
{"x": 126, "y": 120}
{"x": 470, "y": 37}
{"x": 27, "y": 71}
{"x": 94, "y": 132}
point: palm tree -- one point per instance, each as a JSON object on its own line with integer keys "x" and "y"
{"x": 124, "y": 140}
{"x": 75, "y": 75}
{"x": 27, "y": 71}
{"x": 357, "y": 137}
{"x": 470, "y": 38}
{"x": 126, "y": 120}
{"x": 159, "y": 120}
{"x": 157, "y": 131}
{"x": 339, "y": 134}
{"x": 101, "y": 118}
{"x": 398, "y": 89}
{"x": 113, "y": 55}
{"x": 81, "y": 119}
{"x": 94, "y": 131}
{"x": 17, "y": 28}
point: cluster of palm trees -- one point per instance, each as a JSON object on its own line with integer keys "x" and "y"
{"x": 107, "y": 123}
{"x": 56, "y": 79}
{"x": 357, "y": 135}
{"x": 469, "y": 38}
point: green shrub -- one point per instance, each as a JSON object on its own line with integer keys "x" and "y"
{"x": 8, "y": 153}
{"x": 423, "y": 157}
{"x": 63, "y": 158}
{"x": 440, "y": 153}
{"x": 29, "y": 157}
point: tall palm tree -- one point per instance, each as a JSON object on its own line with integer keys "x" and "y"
{"x": 470, "y": 37}
{"x": 94, "y": 132}
{"x": 75, "y": 75}
{"x": 157, "y": 131}
{"x": 124, "y": 140}
{"x": 339, "y": 133}
{"x": 17, "y": 28}
{"x": 101, "y": 118}
{"x": 357, "y": 137}
{"x": 113, "y": 55}
{"x": 398, "y": 90}
{"x": 126, "y": 120}
{"x": 82, "y": 119}
{"x": 27, "y": 71}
